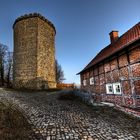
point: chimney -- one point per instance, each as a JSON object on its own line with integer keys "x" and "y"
{"x": 114, "y": 35}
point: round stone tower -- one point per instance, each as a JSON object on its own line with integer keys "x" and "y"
{"x": 34, "y": 52}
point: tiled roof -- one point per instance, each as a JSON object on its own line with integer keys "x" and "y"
{"x": 123, "y": 41}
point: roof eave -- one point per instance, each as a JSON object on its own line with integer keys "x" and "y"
{"x": 108, "y": 56}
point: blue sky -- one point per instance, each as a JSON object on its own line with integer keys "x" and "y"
{"x": 82, "y": 26}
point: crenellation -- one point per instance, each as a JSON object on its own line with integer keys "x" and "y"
{"x": 33, "y": 15}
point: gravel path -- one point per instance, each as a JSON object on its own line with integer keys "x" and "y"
{"x": 54, "y": 119}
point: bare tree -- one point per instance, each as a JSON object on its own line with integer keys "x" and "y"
{"x": 9, "y": 68}
{"x": 59, "y": 73}
{"x": 3, "y": 51}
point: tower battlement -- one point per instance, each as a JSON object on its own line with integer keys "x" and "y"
{"x": 33, "y": 15}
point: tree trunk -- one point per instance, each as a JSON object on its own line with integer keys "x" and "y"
{"x": 2, "y": 74}
{"x": 8, "y": 76}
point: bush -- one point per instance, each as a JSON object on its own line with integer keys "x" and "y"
{"x": 67, "y": 95}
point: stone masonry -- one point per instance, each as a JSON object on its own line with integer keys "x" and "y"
{"x": 34, "y": 52}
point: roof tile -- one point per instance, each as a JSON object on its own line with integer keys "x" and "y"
{"x": 123, "y": 41}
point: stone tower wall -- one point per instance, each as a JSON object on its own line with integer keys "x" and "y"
{"x": 46, "y": 53}
{"x": 34, "y": 53}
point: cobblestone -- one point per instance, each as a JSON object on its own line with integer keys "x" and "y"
{"x": 54, "y": 119}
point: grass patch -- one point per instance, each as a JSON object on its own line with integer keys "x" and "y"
{"x": 13, "y": 125}
{"x": 52, "y": 89}
{"x": 33, "y": 90}
{"x": 67, "y": 95}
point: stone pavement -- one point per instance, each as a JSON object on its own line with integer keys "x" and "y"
{"x": 54, "y": 119}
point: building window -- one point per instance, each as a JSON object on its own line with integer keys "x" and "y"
{"x": 91, "y": 81}
{"x": 109, "y": 89}
{"x": 117, "y": 88}
{"x": 114, "y": 88}
{"x": 84, "y": 82}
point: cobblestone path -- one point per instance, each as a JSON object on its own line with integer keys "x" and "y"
{"x": 54, "y": 119}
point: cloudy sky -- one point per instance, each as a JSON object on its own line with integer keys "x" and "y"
{"x": 82, "y": 26}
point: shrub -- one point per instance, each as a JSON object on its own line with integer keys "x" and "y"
{"x": 67, "y": 95}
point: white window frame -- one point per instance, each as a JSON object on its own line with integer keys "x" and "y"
{"x": 107, "y": 88}
{"x": 91, "y": 80}
{"x": 84, "y": 82}
{"x": 115, "y": 88}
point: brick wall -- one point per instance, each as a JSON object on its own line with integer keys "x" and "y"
{"x": 124, "y": 68}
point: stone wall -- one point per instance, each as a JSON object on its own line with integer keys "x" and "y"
{"x": 124, "y": 68}
{"x": 46, "y": 53}
{"x": 34, "y": 52}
